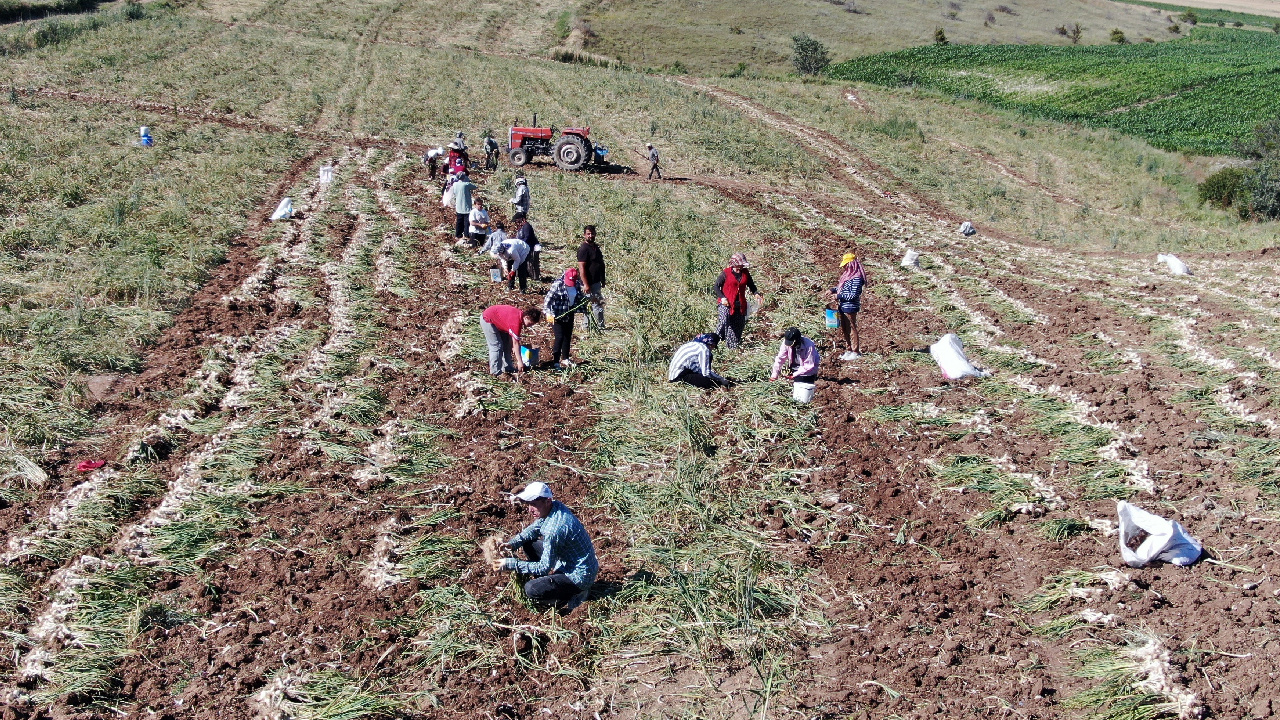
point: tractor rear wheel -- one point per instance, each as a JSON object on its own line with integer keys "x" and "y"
{"x": 519, "y": 157}
{"x": 570, "y": 153}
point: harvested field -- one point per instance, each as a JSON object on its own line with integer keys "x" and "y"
{"x": 305, "y": 451}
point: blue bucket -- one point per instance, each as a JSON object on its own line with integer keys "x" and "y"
{"x": 832, "y": 321}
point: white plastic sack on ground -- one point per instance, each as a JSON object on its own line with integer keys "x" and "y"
{"x": 1165, "y": 540}
{"x": 967, "y": 229}
{"x": 948, "y": 352}
{"x": 910, "y": 260}
{"x": 1176, "y": 266}
{"x": 284, "y": 210}
{"x": 753, "y": 306}
{"x": 326, "y": 174}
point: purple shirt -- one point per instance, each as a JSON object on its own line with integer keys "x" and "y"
{"x": 802, "y": 360}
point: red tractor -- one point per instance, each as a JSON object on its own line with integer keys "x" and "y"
{"x": 573, "y": 151}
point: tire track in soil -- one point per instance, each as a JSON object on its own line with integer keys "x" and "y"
{"x": 298, "y": 605}
{"x": 981, "y": 575}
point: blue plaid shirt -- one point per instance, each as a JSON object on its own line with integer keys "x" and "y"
{"x": 566, "y": 548}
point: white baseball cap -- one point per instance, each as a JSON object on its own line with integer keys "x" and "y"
{"x": 533, "y": 491}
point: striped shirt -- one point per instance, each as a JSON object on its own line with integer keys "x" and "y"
{"x": 693, "y": 356}
{"x": 566, "y": 548}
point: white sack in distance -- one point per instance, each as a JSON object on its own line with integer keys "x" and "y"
{"x": 910, "y": 260}
{"x": 1176, "y": 266}
{"x": 967, "y": 228}
{"x": 1166, "y": 541}
{"x": 284, "y": 210}
{"x": 326, "y": 173}
{"x": 948, "y": 352}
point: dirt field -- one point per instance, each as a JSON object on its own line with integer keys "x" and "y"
{"x": 297, "y": 478}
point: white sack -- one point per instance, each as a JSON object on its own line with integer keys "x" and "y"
{"x": 1176, "y": 266}
{"x": 1167, "y": 541}
{"x": 326, "y": 173}
{"x": 967, "y": 229}
{"x": 284, "y": 210}
{"x": 948, "y": 352}
{"x": 910, "y": 260}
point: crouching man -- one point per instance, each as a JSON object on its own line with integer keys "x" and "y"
{"x": 561, "y": 559}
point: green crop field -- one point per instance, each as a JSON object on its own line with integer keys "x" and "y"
{"x": 1206, "y": 15}
{"x": 1200, "y": 94}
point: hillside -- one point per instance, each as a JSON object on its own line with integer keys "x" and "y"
{"x": 246, "y": 465}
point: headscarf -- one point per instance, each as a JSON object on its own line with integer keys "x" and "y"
{"x": 739, "y": 260}
{"x": 852, "y": 269}
{"x": 708, "y": 339}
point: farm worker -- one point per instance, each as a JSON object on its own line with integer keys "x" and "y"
{"x": 561, "y": 559}
{"x": 462, "y": 191}
{"x": 591, "y": 270}
{"x": 502, "y": 325}
{"x": 458, "y": 159}
{"x": 478, "y": 221}
{"x": 560, "y": 306}
{"x": 848, "y": 291}
{"x": 490, "y": 152}
{"x": 653, "y": 161}
{"x": 432, "y": 160}
{"x": 524, "y": 231}
{"x": 797, "y": 357}
{"x": 731, "y": 288}
{"x": 494, "y": 240}
{"x": 692, "y": 363}
{"x": 521, "y": 200}
{"x": 513, "y": 252}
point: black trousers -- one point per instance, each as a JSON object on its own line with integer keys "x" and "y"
{"x": 653, "y": 168}
{"x": 564, "y": 335}
{"x": 534, "y": 261}
{"x": 554, "y": 590}
{"x": 461, "y": 225}
{"x": 811, "y": 379}
{"x": 698, "y": 380}
{"x": 522, "y": 272}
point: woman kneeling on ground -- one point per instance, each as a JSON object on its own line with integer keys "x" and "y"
{"x": 561, "y": 305}
{"x": 848, "y": 292}
{"x": 798, "y": 356}
{"x": 502, "y": 325}
{"x": 692, "y": 363}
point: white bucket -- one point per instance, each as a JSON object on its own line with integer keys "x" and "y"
{"x": 802, "y": 392}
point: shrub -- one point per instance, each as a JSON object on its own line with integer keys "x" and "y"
{"x": 1005, "y": 9}
{"x": 1189, "y": 17}
{"x": 810, "y": 56}
{"x": 1259, "y": 196}
{"x": 1222, "y": 187}
{"x": 1117, "y": 37}
{"x": 1265, "y": 140}
{"x": 1075, "y": 34}
{"x": 940, "y": 37}
{"x": 1237, "y": 24}
{"x": 899, "y": 128}
{"x": 1175, "y": 28}
{"x": 1276, "y": 28}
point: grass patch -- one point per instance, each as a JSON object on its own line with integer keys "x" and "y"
{"x": 980, "y": 474}
{"x": 1062, "y": 529}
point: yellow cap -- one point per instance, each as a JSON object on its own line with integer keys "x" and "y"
{"x": 848, "y": 258}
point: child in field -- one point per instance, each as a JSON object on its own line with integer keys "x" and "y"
{"x": 848, "y": 292}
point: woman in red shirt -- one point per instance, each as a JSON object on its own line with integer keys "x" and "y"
{"x": 502, "y": 325}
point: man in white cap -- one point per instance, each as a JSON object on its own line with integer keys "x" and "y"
{"x": 561, "y": 559}
{"x": 653, "y": 161}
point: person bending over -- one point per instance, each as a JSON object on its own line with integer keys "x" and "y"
{"x": 692, "y": 363}
{"x": 797, "y": 356}
{"x": 502, "y": 325}
{"x": 561, "y": 560}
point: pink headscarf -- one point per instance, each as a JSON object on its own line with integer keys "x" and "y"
{"x": 851, "y": 271}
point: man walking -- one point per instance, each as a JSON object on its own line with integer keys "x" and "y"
{"x": 591, "y": 270}
{"x": 462, "y": 190}
{"x": 653, "y": 161}
{"x": 561, "y": 558}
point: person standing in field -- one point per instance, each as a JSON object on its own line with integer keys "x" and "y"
{"x": 458, "y": 158}
{"x": 691, "y": 363}
{"x": 490, "y": 152}
{"x": 502, "y": 326}
{"x": 654, "y": 166}
{"x": 462, "y": 191}
{"x": 513, "y": 253}
{"x": 591, "y": 270}
{"x": 731, "y": 289}
{"x": 848, "y": 292}
{"x": 561, "y": 558}
{"x": 525, "y": 231}
{"x": 521, "y": 200}
{"x": 478, "y": 222}
{"x": 797, "y": 357}
{"x": 559, "y": 307}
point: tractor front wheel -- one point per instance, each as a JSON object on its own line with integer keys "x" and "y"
{"x": 570, "y": 153}
{"x": 519, "y": 157}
